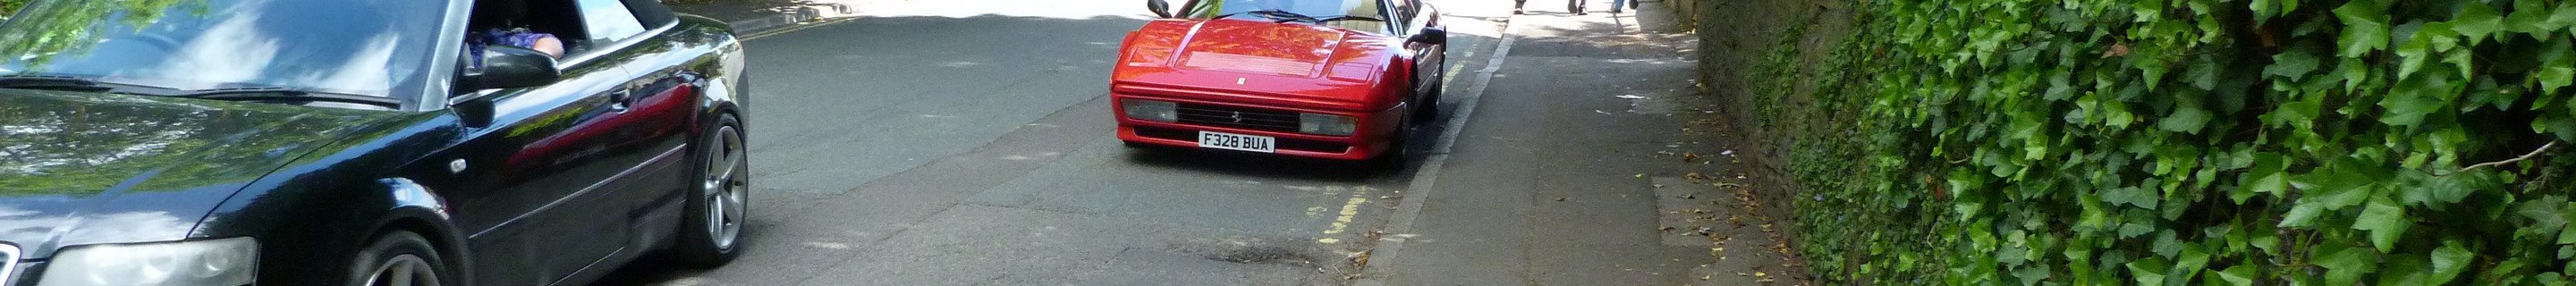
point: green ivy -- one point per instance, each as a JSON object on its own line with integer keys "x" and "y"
{"x": 2187, "y": 142}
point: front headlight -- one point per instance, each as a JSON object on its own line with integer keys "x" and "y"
{"x": 1150, "y": 110}
{"x": 229, "y": 261}
{"x": 1325, "y": 124}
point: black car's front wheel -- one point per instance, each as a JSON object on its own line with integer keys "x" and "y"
{"x": 718, "y": 208}
{"x": 399, "y": 258}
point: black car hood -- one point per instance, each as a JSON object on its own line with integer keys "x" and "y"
{"x": 85, "y": 168}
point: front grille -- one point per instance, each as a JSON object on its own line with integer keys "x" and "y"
{"x": 1283, "y": 143}
{"x": 1238, "y": 117}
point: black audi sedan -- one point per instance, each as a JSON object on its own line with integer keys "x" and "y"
{"x": 339, "y": 142}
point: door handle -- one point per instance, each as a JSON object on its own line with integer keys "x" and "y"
{"x": 621, "y": 99}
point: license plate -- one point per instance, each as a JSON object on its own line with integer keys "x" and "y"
{"x": 1231, "y": 141}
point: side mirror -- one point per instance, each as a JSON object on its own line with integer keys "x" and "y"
{"x": 511, "y": 67}
{"x": 1432, "y": 36}
{"x": 1161, "y": 8}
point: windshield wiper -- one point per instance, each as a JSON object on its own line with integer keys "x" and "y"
{"x": 1282, "y": 16}
{"x": 287, "y": 94}
{"x": 1350, "y": 18}
{"x": 50, "y": 82}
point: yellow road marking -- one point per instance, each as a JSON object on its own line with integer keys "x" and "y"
{"x": 1350, "y": 210}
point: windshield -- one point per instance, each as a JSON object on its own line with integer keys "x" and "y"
{"x": 337, "y": 46}
{"x": 1319, "y": 9}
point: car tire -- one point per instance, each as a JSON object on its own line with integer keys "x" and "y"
{"x": 1430, "y": 110}
{"x": 1399, "y": 147}
{"x": 717, "y": 209}
{"x": 399, "y": 258}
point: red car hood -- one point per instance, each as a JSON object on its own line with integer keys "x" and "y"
{"x": 1295, "y": 64}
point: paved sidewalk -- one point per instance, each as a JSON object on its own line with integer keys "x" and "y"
{"x": 1617, "y": 183}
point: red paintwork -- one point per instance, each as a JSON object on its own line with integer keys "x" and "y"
{"x": 1290, "y": 66}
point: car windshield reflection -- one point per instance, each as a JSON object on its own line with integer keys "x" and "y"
{"x": 1319, "y": 9}
{"x": 351, "y": 47}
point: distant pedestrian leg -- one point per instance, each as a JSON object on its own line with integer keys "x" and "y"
{"x": 1616, "y": 4}
{"x": 1574, "y": 6}
{"x": 1516, "y": 6}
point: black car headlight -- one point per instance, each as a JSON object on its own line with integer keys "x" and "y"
{"x": 230, "y": 261}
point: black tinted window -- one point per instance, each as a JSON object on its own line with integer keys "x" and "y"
{"x": 358, "y": 47}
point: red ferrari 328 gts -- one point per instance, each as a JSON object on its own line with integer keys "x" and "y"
{"x": 1337, "y": 79}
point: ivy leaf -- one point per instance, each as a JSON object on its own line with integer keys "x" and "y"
{"x": 2462, "y": 59}
{"x": 2293, "y": 64}
{"x": 2385, "y": 220}
{"x": 2567, "y": 235}
{"x": 2130, "y": 196}
{"x": 2526, "y": 18}
{"x": 2264, "y": 9}
{"x": 2410, "y": 55}
{"x": 2560, "y": 18}
{"x": 2345, "y": 182}
{"x": 2414, "y": 97}
{"x": 2303, "y": 215}
{"x": 2345, "y": 265}
{"x": 2402, "y": 269}
{"x": 2150, "y": 270}
{"x": 2203, "y": 73}
{"x": 2438, "y": 191}
{"x": 2187, "y": 119}
{"x": 2475, "y": 20}
{"x": 2353, "y": 72}
{"x": 2543, "y": 212}
{"x": 2449, "y": 261}
{"x": 2365, "y": 28}
{"x": 2239, "y": 275}
{"x": 2193, "y": 258}
{"x": 2294, "y": 113}
{"x": 2557, "y": 68}
{"x": 2268, "y": 177}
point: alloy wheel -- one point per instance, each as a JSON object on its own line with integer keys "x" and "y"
{"x": 404, "y": 270}
{"x": 725, "y": 198}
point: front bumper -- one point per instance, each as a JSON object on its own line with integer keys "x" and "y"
{"x": 1371, "y": 137}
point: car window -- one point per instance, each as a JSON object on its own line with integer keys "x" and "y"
{"x": 1404, "y": 13}
{"x": 355, "y": 47}
{"x": 609, "y": 21}
{"x": 1320, "y": 9}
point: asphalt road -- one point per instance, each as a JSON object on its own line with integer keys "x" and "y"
{"x": 957, "y": 146}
